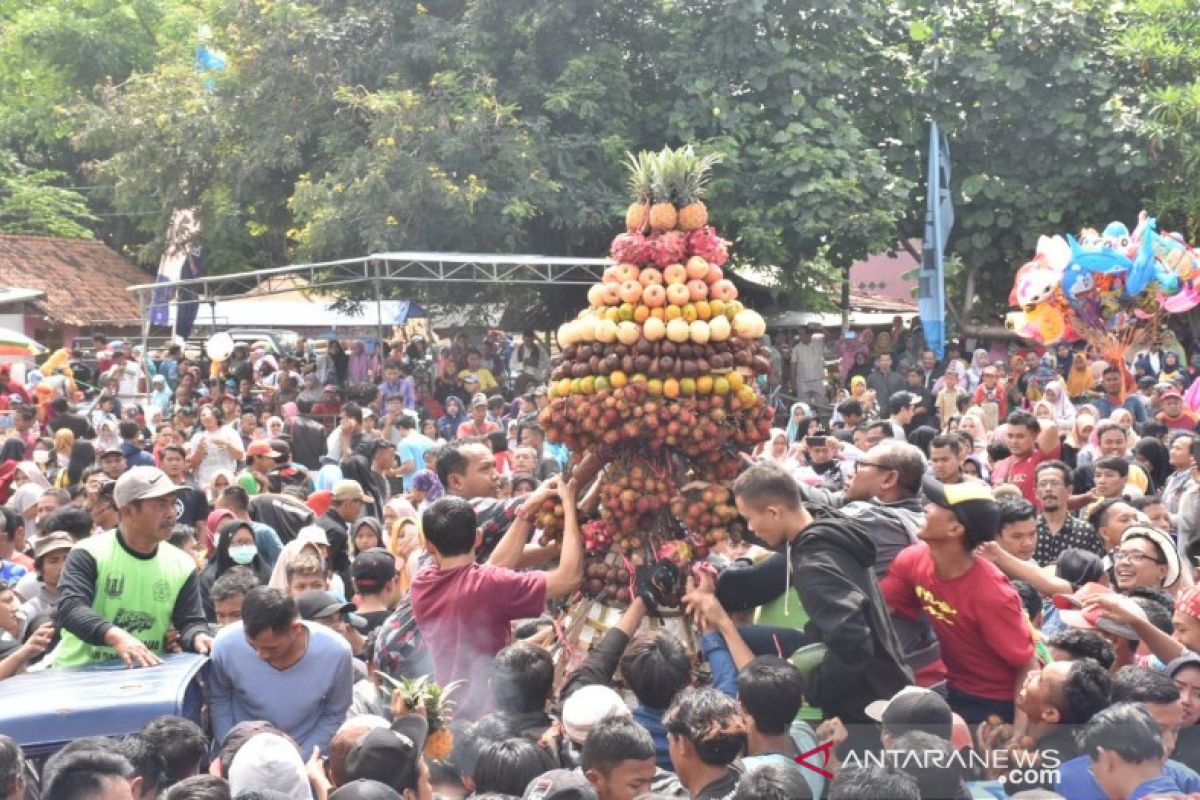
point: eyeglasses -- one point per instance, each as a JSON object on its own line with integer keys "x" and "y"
{"x": 1134, "y": 557}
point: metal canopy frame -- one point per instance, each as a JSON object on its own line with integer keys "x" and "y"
{"x": 380, "y": 268}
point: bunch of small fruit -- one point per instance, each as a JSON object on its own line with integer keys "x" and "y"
{"x": 632, "y": 495}
{"x": 607, "y": 579}
{"x": 706, "y": 510}
{"x": 597, "y": 536}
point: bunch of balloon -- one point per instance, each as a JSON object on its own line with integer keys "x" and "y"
{"x": 1110, "y": 288}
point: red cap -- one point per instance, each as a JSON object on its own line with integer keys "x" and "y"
{"x": 262, "y": 447}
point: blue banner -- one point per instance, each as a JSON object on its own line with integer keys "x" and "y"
{"x": 939, "y": 219}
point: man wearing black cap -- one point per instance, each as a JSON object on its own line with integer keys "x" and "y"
{"x": 326, "y": 609}
{"x": 392, "y": 756}
{"x": 377, "y": 584}
{"x": 980, "y": 622}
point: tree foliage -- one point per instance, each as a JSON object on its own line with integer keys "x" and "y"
{"x": 345, "y": 127}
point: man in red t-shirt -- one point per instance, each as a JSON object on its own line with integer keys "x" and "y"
{"x": 976, "y": 613}
{"x": 1174, "y": 415}
{"x": 465, "y": 610}
{"x": 1030, "y": 445}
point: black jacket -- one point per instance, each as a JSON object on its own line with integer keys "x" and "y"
{"x": 308, "y": 440}
{"x": 833, "y": 571}
{"x": 338, "y": 534}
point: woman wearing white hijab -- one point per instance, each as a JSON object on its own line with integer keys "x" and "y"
{"x": 1055, "y": 394}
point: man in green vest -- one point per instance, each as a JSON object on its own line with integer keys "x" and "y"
{"x": 122, "y": 590}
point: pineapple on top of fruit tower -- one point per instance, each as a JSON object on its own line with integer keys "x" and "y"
{"x": 658, "y": 377}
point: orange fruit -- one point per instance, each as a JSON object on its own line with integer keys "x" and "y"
{"x": 689, "y": 312}
{"x": 704, "y": 384}
{"x": 655, "y": 387}
{"x": 748, "y": 397}
{"x": 587, "y": 384}
{"x": 717, "y": 306}
{"x": 736, "y": 381}
{"x": 687, "y": 387}
{"x": 673, "y": 312}
{"x": 575, "y": 386}
{"x": 704, "y": 310}
{"x": 658, "y": 313}
{"x": 617, "y": 379}
{"x": 670, "y": 388}
{"x": 637, "y": 377}
{"x": 625, "y": 312}
{"x": 641, "y": 314}
{"x": 720, "y": 385}
{"x": 613, "y": 314}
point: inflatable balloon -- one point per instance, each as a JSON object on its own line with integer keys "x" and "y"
{"x": 1103, "y": 260}
{"x": 1184, "y": 300}
{"x": 219, "y": 346}
{"x": 1080, "y": 291}
{"x": 1109, "y": 287}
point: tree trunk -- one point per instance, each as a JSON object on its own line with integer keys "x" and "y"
{"x": 968, "y": 293}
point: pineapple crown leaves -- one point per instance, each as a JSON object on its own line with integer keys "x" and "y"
{"x": 424, "y": 692}
{"x": 678, "y": 176}
{"x": 642, "y": 170}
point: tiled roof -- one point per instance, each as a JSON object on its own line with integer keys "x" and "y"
{"x": 85, "y": 281}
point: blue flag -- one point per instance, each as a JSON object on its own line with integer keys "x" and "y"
{"x": 939, "y": 219}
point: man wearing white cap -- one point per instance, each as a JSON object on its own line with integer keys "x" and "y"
{"x": 121, "y": 590}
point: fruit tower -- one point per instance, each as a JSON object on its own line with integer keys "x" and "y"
{"x": 658, "y": 378}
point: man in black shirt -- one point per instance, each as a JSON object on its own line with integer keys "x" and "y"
{"x": 191, "y": 507}
{"x": 378, "y": 586}
{"x": 63, "y": 418}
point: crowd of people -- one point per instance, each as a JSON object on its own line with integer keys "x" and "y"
{"x": 991, "y": 561}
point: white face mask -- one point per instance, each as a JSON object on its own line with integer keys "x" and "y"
{"x": 242, "y": 553}
{"x": 41, "y": 457}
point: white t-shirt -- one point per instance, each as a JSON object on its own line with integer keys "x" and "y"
{"x": 127, "y": 379}
{"x": 216, "y": 458}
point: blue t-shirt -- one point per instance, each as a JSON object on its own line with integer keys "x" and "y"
{"x": 1076, "y": 781}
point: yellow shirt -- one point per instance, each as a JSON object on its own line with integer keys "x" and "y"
{"x": 487, "y": 381}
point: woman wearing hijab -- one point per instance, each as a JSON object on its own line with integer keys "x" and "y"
{"x": 235, "y": 548}
{"x": 980, "y": 360}
{"x": 1152, "y": 456}
{"x": 455, "y": 416}
{"x": 797, "y": 413}
{"x": 406, "y": 543}
{"x": 312, "y": 539}
{"x": 848, "y": 351}
{"x": 333, "y": 365}
{"x": 1079, "y": 380}
{"x": 1055, "y": 394}
{"x": 361, "y": 366}
{"x": 1172, "y": 367}
{"x": 861, "y": 368}
{"x": 1170, "y": 344}
{"x": 368, "y": 535}
{"x": 274, "y": 428}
